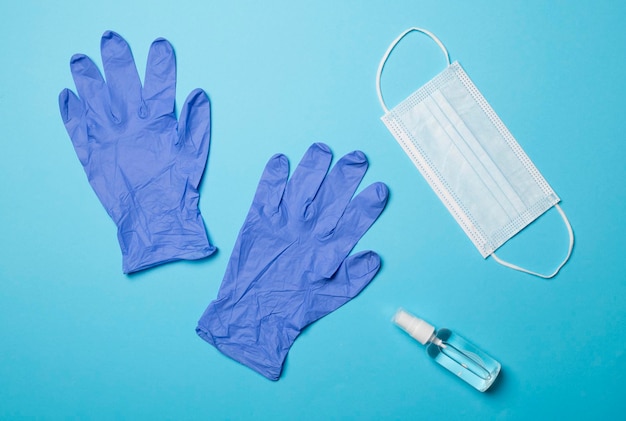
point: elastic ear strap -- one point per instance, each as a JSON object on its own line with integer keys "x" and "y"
{"x": 553, "y": 274}
{"x": 390, "y": 49}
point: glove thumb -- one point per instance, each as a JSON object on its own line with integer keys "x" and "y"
{"x": 354, "y": 274}
{"x": 194, "y": 134}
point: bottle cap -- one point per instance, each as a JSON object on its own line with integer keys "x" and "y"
{"x": 414, "y": 326}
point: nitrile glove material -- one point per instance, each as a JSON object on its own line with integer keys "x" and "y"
{"x": 290, "y": 264}
{"x": 143, "y": 164}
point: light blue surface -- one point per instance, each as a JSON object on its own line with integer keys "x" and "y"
{"x": 80, "y": 340}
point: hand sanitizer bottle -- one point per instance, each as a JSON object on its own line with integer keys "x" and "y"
{"x": 451, "y": 351}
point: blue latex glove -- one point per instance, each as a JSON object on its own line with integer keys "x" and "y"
{"x": 144, "y": 165}
{"x": 290, "y": 265}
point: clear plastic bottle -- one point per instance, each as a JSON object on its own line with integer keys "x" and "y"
{"x": 451, "y": 351}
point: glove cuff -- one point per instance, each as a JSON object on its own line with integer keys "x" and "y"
{"x": 148, "y": 241}
{"x": 159, "y": 254}
{"x": 261, "y": 345}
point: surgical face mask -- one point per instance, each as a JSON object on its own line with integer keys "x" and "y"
{"x": 470, "y": 159}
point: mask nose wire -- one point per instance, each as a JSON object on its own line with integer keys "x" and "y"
{"x": 390, "y": 49}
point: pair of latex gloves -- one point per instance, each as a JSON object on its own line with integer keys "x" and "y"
{"x": 291, "y": 264}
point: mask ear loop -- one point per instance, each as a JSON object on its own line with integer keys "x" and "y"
{"x": 553, "y": 274}
{"x": 390, "y": 49}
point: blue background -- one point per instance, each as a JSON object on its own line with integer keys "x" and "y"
{"x": 78, "y": 339}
